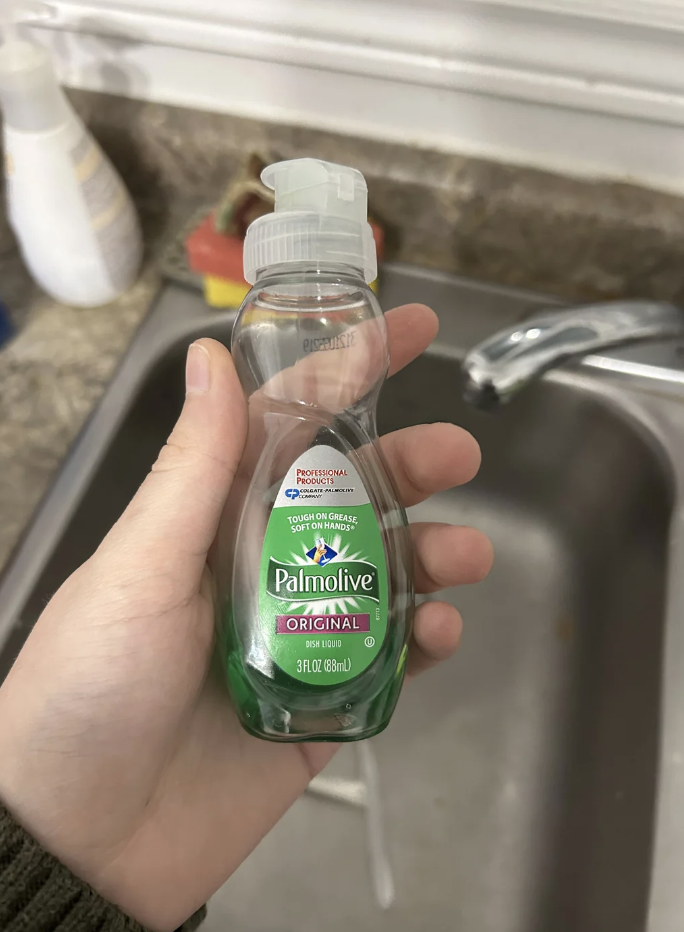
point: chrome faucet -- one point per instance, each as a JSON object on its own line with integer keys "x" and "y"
{"x": 501, "y": 365}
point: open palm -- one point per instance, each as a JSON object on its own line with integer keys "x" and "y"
{"x": 120, "y": 753}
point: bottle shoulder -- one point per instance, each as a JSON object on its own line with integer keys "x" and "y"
{"x": 311, "y": 341}
{"x": 311, "y": 294}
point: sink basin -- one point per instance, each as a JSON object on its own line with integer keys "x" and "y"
{"x": 522, "y": 781}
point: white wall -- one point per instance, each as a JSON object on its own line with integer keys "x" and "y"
{"x": 591, "y": 87}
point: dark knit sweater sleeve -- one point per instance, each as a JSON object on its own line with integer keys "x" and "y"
{"x": 39, "y": 894}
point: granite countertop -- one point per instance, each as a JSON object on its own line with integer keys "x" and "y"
{"x": 51, "y": 376}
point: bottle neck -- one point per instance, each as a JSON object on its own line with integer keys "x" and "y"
{"x": 294, "y": 273}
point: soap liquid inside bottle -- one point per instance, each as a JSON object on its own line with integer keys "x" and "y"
{"x": 314, "y": 560}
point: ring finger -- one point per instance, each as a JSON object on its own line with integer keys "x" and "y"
{"x": 446, "y": 555}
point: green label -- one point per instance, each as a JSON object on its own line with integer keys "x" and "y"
{"x": 323, "y": 582}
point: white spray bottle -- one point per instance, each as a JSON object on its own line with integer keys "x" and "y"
{"x": 73, "y": 217}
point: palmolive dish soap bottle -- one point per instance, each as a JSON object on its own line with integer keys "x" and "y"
{"x": 314, "y": 555}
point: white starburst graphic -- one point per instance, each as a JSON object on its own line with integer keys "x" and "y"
{"x": 340, "y": 606}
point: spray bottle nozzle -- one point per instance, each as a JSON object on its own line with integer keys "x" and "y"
{"x": 14, "y": 12}
{"x": 29, "y": 92}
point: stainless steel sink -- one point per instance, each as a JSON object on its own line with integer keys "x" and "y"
{"x": 535, "y": 782}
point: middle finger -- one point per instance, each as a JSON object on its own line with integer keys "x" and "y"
{"x": 447, "y": 555}
{"x": 430, "y": 458}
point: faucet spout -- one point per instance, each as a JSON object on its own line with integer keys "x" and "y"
{"x": 500, "y": 366}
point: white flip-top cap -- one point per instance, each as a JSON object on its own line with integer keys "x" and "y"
{"x": 320, "y": 217}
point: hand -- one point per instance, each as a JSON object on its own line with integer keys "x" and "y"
{"x": 117, "y": 752}
{"x": 320, "y": 553}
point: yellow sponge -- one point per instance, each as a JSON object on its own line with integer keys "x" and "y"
{"x": 220, "y": 292}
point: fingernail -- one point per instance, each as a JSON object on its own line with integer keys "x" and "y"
{"x": 197, "y": 370}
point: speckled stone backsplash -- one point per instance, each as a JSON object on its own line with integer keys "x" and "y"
{"x": 574, "y": 238}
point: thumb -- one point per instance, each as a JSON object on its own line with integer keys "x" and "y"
{"x": 171, "y": 522}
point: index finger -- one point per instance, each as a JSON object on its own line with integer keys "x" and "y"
{"x": 411, "y": 329}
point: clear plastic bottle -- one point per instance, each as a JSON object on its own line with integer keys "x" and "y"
{"x": 314, "y": 561}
